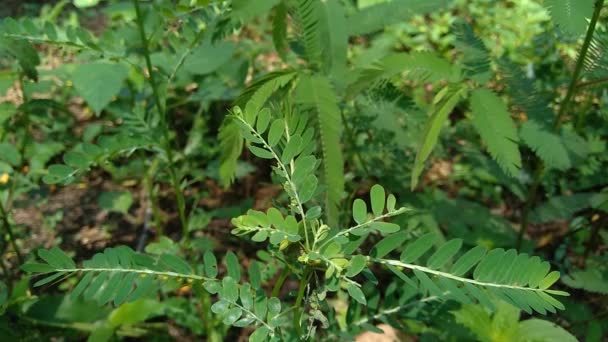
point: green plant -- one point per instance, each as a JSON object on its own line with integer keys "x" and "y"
{"x": 336, "y": 103}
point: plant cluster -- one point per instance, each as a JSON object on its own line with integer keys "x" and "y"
{"x": 167, "y": 106}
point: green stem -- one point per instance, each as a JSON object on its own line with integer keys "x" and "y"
{"x": 530, "y": 199}
{"x": 175, "y": 182}
{"x": 279, "y": 284}
{"x": 297, "y": 315}
{"x": 579, "y": 64}
{"x": 572, "y": 88}
{"x": 9, "y": 230}
{"x": 206, "y": 313}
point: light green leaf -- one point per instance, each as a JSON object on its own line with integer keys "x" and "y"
{"x": 355, "y": 292}
{"x": 264, "y": 117}
{"x": 416, "y": 249}
{"x": 356, "y": 265}
{"x": 208, "y": 57}
{"x": 99, "y": 82}
{"x": 259, "y": 335}
{"x": 85, "y": 3}
{"x": 543, "y": 331}
{"x": 210, "y": 263}
{"x": 549, "y": 280}
{"x": 293, "y": 147}
{"x": 276, "y": 132}
{"x": 359, "y": 211}
{"x": 260, "y": 152}
{"x": 233, "y": 266}
{"x": 232, "y": 316}
{"x": 274, "y": 306}
{"x": 444, "y": 253}
{"x": 10, "y": 154}
{"x": 378, "y": 198}
{"x": 230, "y": 290}
{"x": 119, "y": 202}
{"x": 468, "y": 260}
{"x": 388, "y": 244}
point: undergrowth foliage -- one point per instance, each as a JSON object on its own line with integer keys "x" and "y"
{"x": 323, "y": 257}
{"x": 320, "y": 236}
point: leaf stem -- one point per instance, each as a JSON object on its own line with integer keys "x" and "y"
{"x": 175, "y": 182}
{"x": 134, "y": 270}
{"x": 453, "y": 277}
{"x": 364, "y": 224}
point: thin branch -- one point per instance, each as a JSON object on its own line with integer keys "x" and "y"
{"x": 365, "y": 224}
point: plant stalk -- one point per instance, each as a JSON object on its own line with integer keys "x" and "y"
{"x": 175, "y": 182}
{"x": 276, "y": 290}
{"x": 9, "y": 230}
{"x": 297, "y": 315}
{"x": 572, "y": 88}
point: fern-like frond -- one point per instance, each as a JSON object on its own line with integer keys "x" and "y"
{"x": 548, "y": 146}
{"x": 231, "y": 147}
{"x": 475, "y": 54}
{"x": 525, "y": 94}
{"x": 518, "y": 279}
{"x": 118, "y": 274}
{"x": 254, "y": 97}
{"x": 279, "y": 30}
{"x": 416, "y": 66}
{"x": 290, "y": 142}
{"x": 308, "y": 15}
{"x": 76, "y": 37}
{"x": 377, "y": 17}
{"x": 596, "y": 60}
{"x": 316, "y": 91}
{"x": 493, "y": 122}
{"x": 78, "y": 161}
{"x": 570, "y": 15}
{"x": 334, "y": 33}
